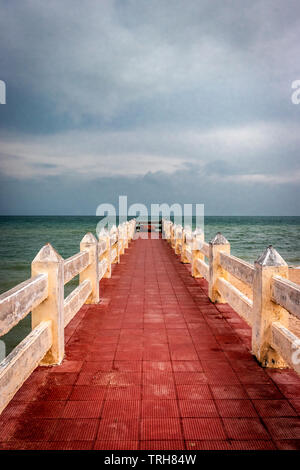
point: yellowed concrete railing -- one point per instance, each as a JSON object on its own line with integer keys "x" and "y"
{"x": 261, "y": 293}
{"x": 43, "y": 296}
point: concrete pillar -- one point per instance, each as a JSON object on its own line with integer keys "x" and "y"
{"x": 121, "y": 239}
{"x": 104, "y": 235}
{"x": 265, "y": 312}
{"x": 217, "y": 244}
{"x": 178, "y": 239}
{"x": 49, "y": 262}
{"x": 89, "y": 243}
{"x": 198, "y": 239}
{"x": 126, "y": 235}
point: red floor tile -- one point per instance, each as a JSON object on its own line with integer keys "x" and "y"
{"x": 127, "y": 392}
{"x": 288, "y": 444}
{"x": 82, "y": 409}
{"x": 274, "y": 408}
{"x": 116, "y": 409}
{"x": 283, "y": 428}
{"x": 162, "y": 445}
{"x": 116, "y": 445}
{"x": 203, "y": 429}
{"x": 88, "y": 392}
{"x": 75, "y": 430}
{"x": 93, "y": 367}
{"x": 159, "y": 366}
{"x": 159, "y": 391}
{"x": 187, "y": 366}
{"x": 228, "y": 392}
{"x": 157, "y": 377}
{"x": 45, "y": 409}
{"x": 160, "y": 409}
{"x": 236, "y": 409}
{"x": 161, "y": 429}
{"x": 263, "y": 391}
{"x": 35, "y": 429}
{"x": 114, "y": 429}
{"x": 190, "y": 378}
{"x": 198, "y": 409}
{"x": 245, "y": 429}
{"x": 193, "y": 392}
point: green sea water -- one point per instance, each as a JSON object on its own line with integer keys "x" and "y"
{"x": 22, "y": 237}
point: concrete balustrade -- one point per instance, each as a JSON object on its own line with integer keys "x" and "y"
{"x": 104, "y": 254}
{"x": 89, "y": 244}
{"x": 275, "y": 300}
{"x": 43, "y": 296}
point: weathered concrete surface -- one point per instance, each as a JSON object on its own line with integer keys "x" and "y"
{"x": 49, "y": 262}
{"x": 265, "y": 311}
{"x": 16, "y": 303}
{"x": 286, "y": 294}
{"x": 76, "y": 299}
{"x": 234, "y": 297}
{"x": 217, "y": 245}
{"x": 294, "y": 274}
{"x": 155, "y": 365}
{"x": 22, "y": 361}
{"x": 75, "y": 264}
{"x": 90, "y": 244}
{"x": 238, "y": 268}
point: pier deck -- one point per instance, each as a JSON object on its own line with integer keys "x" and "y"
{"x": 155, "y": 366}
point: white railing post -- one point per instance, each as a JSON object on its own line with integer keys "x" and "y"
{"x": 186, "y": 237}
{"x": 198, "y": 240}
{"x": 121, "y": 239}
{"x": 114, "y": 234}
{"x": 49, "y": 262}
{"x": 104, "y": 235}
{"x": 178, "y": 239}
{"x": 217, "y": 244}
{"x": 265, "y": 312}
{"x": 89, "y": 243}
{"x": 126, "y": 243}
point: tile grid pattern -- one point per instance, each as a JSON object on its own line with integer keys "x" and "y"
{"x": 155, "y": 366}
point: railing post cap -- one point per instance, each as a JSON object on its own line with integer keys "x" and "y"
{"x": 48, "y": 254}
{"x": 89, "y": 238}
{"x": 219, "y": 239}
{"x": 270, "y": 257}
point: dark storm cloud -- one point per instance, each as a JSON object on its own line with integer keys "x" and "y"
{"x": 118, "y": 89}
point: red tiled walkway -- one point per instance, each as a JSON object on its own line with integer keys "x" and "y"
{"x": 156, "y": 366}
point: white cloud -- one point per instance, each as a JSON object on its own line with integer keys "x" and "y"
{"x": 113, "y": 153}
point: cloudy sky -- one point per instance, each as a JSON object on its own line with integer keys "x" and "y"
{"x": 161, "y": 100}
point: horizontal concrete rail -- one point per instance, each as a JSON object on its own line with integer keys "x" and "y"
{"x": 75, "y": 300}
{"x": 102, "y": 246}
{"x": 113, "y": 239}
{"x": 21, "y": 362}
{"x": 102, "y": 268}
{"x": 75, "y": 265}
{"x": 238, "y": 268}
{"x": 113, "y": 254}
{"x": 238, "y": 301}
{"x": 287, "y": 345}
{"x": 205, "y": 249}
{"x": 188, "y": 253}
{"x": 286, "y": 294}
{"x": 16, "y": 303}
{"x": 202, "y": 268}
{"x": 188, "y": 239}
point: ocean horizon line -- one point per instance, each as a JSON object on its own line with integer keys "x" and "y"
{"x": 118, "y": 215}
